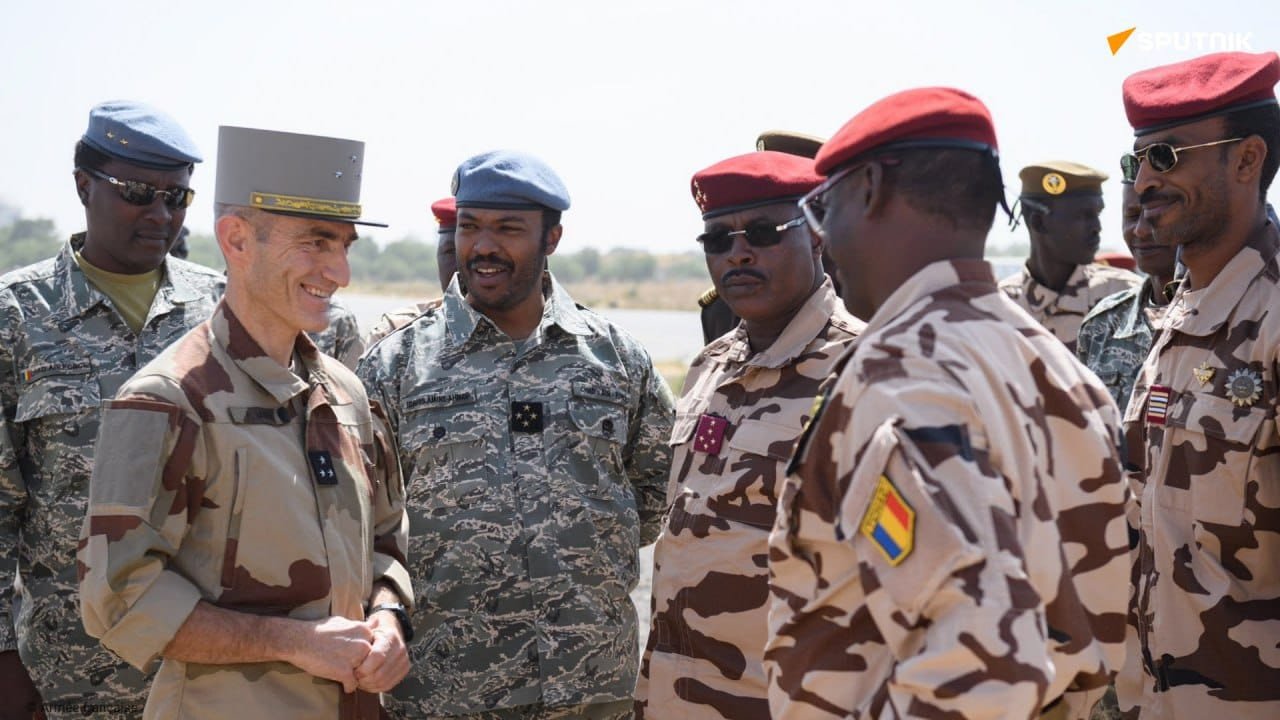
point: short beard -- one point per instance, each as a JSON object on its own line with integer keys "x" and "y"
{"x": 1203, "y": 227}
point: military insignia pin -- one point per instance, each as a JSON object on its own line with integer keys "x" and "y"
{"x": 709, "y": 435}
{"x": 322, "y": 467}
{"x": 1244, "y": 386}
{"x": 1054, "y": 184}
{"x": 890, "y": 523}
{"x": 1158, "y": 398}
{"x": 1203, "y": 373}
{"x": 526, "y": 417}
{"x": 699, "y": 196}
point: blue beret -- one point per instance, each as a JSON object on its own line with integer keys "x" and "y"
{"x": 509, "y": 180}
{"x": 141, "y": 135}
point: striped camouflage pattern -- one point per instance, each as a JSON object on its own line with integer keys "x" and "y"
{"x": 1062, "y": 312}
{"x": 202, "y": 490}
{"x": 1115, "y": 338}
{"x": 342, "y": 339}
{"x": 1004, "y": 447}
{"x": 396, "y": 319}
{"x": 524, "y": 543}
{"x": 64, "y": 349}
{"x": 710, "y": 600}
{"x": 1204, "y": 636}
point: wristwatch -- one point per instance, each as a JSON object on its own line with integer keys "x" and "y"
{"x": 402, "y": 616}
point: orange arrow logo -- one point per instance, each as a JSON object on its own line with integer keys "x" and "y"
{"x": 1117, "y": 41}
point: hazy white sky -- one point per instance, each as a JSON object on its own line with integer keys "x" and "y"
{"x": 625, "y": 99}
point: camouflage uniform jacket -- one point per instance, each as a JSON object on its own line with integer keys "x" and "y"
{"x": 1062, "y": 312}
{"x": 535, "y": 469}
{"x": 710, "y": 596}
{"x": 951, "y": 539}
{"x": 64, "y": 348}
{"x": 341, "y": 339}
{"x": 396, "y": 319}
{"x": 1205, "y": 614}
{"x": 222, "y": 476}
{"x": 1115, "y": 338}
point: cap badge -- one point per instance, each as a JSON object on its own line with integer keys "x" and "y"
{"x": 1203, "y": 373}
{"x": 453, "y": 184}
{"x": 1244, "y": 386}
{"x": 699, "y": 196}
{"x": 1054, "y": 184}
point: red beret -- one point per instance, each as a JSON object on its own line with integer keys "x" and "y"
{"x": 752, "y": 180}
{"x": 1202, "y": 87}
{"x": 923, "y": 117}
{"x": 446, "y": 212}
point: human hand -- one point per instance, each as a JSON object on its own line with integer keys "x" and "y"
{"x": 333, "y": 648}
{"x": 388, "y": 660}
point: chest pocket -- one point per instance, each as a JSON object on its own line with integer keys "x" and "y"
{"x": 57, "y": 389}
{"x": 599, "y": 413}
{"x": 1214, "y": 443}
{"x": 444, "y": 430}
{"x": 755, "y": 471}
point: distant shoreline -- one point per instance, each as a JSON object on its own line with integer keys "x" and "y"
{"x": 647, "y": 295}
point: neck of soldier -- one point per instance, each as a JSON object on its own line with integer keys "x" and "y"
{"x": 1050, "y": 273}
{"x": 275, "y": 337}
{"x": 917, "y": 241}
{"x": 518, "y": 321}
{"x": 1205, "y": 257}
{"x": 762, "y": 333}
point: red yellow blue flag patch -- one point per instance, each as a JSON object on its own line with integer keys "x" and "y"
{"x": 890, "y": 523}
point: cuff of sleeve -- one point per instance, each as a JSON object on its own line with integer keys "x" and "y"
{"x": 390, "y": 571}
{"x": 142, "y": 634}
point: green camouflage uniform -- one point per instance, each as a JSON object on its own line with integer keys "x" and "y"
{"x": 341, "y": 340}
{"x": 534, "y": 471}
{"x": 1115, "y": 338}
{"x": 64, "y": 349}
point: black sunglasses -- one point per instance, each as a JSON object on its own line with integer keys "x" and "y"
{"x": 139, "y": 193}
{"x": 758, "y": 235}
{"x": 1161, "y": 156}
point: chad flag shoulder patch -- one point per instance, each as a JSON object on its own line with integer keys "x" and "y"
{"x": 890, "y": 523}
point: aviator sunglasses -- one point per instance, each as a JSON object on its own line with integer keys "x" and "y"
{"x": 139, "y": 193}
{"x": 758, "y": 235}
{"x": 1162, "y": 157}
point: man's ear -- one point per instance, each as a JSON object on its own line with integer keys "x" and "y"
{"x": 1252, "y": 155}
{"x": 553, "y": 239}
{"x": 82, "y": 186}
{"x": 875, "y": 191}
{"x": 1035, "y": 221}
{"x": 234, "y": 235}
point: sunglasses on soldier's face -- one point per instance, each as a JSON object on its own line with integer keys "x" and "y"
{"x": 1162, "y": 157}
{"x": 758, "y": 235}
{"x": 141, "y": 194}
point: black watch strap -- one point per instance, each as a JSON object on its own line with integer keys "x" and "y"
{"x": 402, "y": 616}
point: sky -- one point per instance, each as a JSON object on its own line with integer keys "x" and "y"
{"x": 626, "y": 100}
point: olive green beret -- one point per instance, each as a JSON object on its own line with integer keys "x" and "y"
{"x": 1060, "y": 177}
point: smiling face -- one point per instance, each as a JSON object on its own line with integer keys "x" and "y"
{"x": 1152, "y": 257}
{"x": 292, "y": 268}
{"x": 763, "y": 284}
{"x": 124, "y": 238}
{"x": 501, "y": 255}
{"x": 1189, "y": 204}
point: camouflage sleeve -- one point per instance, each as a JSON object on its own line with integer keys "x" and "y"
{"x": 648, "y": 456}
{"x": 347, "y": 344}
{"x": 391, "y": 522}
{"x": 953, "y": 599}
{"x": 139, "y": 505}
{"x": 13, "y": 487}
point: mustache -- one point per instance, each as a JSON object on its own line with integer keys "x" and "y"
{"x": 475, "y": 262}
{"x": 1151, "y": 196}
{"x": 742, "y": 272}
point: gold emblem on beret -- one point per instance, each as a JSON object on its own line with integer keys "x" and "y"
{"x": 1204, "y": 373}
{"x": 1054, "y": 184}
{"x": 699, "y": 196}
{"x": 1244, "y": 386}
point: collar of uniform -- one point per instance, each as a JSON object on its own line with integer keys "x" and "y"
{"x": 277, "y": 380}
{"x": 1202, "y": 312}
{"x": 1040, "y": 297}
{"x": 802, "y": 329}
{"x": 79, "y": 295}
{"x": 929, "y": 279}
{"x": 559, "y": 309}
{"x": 1134, "y": 300}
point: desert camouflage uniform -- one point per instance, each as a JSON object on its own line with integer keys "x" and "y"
{"x": 63, "y": 349}
{"x": 710, "y": 601}
{"x": 341, "y": 339}
{"x": 535, "y": 469}
{"x": 396, "y": 319}
{"x": 1204, "y": 636}
{"x": 1115, "y": 338}
{"x": 1062, "y": 312}
{"x": 954, "y": 407}
{"x": 223, "y": 476}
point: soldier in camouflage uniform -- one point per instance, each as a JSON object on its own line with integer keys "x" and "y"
{"x": 1061, "y": 202}
{"x": 951, "y": 539}
{"x": 246, "y": 517}
{"x": 746, "y": 399}
{"x": 532, "y": 433}
{"x": 446, "y": 214}
{"x": 72, "y": 329}
{"x": 1115, "y": 336}
{"x": 1201, "y": 425}
{"x": 341, "y": 339}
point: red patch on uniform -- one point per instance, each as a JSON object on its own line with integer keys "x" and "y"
{"x": 710, "y": 434}
{"x": 1158, "y": 399}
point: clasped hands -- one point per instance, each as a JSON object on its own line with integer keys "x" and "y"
{"x": 368, "y": 655}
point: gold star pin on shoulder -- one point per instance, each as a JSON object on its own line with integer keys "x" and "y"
{"x": 1204, "y": 373}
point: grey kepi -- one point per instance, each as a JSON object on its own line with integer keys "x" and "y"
{"x": 304, "y": 175}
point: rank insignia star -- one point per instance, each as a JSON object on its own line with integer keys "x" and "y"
{"x": 1203, "y": 373}
{"x": 322, "y": 467}
{"x": 709, "y": 435}
{"x": 526, "y": 417}
{"x": 1244, "y": 386}
{"x": 699, "y": 196}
